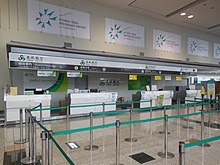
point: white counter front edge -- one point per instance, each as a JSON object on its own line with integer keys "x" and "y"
{"x": 15, "y": 103}
{"x": 78, "y": 99}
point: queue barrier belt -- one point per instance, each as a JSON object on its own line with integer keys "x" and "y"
{"x": 200, "y": 142}
{"x": 187, "y": 145}
{"x": 141, "y": 121}
{"x": 122, "y": 123}
{"x": 61, "y": 150}
{"x": 91, "y": 105}
{"x": 83, "y": 129}
{"x": 44, "y": 109}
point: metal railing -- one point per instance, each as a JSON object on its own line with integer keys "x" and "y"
{"x": 47, "y": 136}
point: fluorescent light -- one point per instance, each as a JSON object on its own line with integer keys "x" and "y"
{"x": 182, "y": 14}
{"x": 190, "y": 16}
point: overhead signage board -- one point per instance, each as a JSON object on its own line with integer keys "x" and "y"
{"x": 216, "y": 50}
{"x": 168, "y": 77}
{"x": 198, "y": 47}
{"x": 132, "y": 77}
{"x": 179, "y": 78}
{"x": 166, "y": 41}
{"x": 41, "y": 73}
{"x": 157, "y": 78}
{"x": 163, "y": 68}
{"x": 74, "y": 74}
{"x": 48, "y": 18}
{"x": 42, "y": 62}
{"x": 124, "y": 33}
{"x": 170, "y": 68}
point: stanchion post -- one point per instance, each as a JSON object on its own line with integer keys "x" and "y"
{"x": 178, "y": 106}
{"x": 181, "y": 153}
{"x": 68, "y": 105}
{"x": 166, "y": 154}
{"x": 210, "y": 106}
{"x": 103, "y": 111}
{"x": 44, "y": 136}
{"x": 32, "y": 159}
{"x": 26, "y": 124}
{"x": 187, "y": 118}
{"x": 202, "y": 129}
{"x": 151, "y": 105}
{"x": 202, "y": 124}
{"x": 91, "y": 146}
{"x": 194, "y": 104}
{"x": 117, "y": 124}
{"x": 164, "y": 122}
{"x": 130, "y": 139}
{"x": 50, "y": 148}
{"x": 41, "y": 116}
{"x": 21, "y": 140}
{"x": 34, "y": 137}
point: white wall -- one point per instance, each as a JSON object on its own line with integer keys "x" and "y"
{"x": 14, "y": 27}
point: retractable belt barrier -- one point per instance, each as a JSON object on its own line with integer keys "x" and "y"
{"x": 48, "y": 135}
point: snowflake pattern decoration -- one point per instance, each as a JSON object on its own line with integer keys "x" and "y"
{"x": 217, "y": 51}
{"x": 45, "y": 18}
{"x": 160, "y": 40}
{"x": 115, "y": 32}
{"x": 193, "y": 47}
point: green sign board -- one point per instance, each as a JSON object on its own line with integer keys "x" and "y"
{"x": 140, "y": 83}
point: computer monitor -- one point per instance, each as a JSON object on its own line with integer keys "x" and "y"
{"x": 94, "y": 90}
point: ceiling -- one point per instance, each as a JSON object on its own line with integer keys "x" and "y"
{"x": 206, "y": 12}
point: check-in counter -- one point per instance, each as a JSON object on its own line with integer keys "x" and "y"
{"x": 191, "y": 94}
{"x": 83, "y": 99}
{"x": 15, "y": 103}
{"x": 165, "y": 96}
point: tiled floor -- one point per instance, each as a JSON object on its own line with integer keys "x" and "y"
{"x": 149, "y": 140}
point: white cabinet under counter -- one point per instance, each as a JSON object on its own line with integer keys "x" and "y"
{"x": 15, "y": 103}
{"x": 154, "y": 95}
{"x": 80, "y": 102}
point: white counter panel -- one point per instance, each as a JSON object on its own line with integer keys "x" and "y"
{"x": 152, "y": 95}
{"x": 78, "y": 99}
{"x": 15, "y": 103}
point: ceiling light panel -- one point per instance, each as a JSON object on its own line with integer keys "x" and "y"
{"x": 160, "y": 7}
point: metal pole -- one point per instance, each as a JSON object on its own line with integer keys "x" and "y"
{"x": 181, "y": 153}
{"x": 44, "y": 136}
{"x": 151, "y": 109}
{"x": 187, "y": 118}
{"x": 166, "y": 136}
{"x": 202, "y": 130}
{"x": 210, "y": 106}
{"x": 164, "y": 122}
{"x": 21, "y": 141}
{"x": 103, "y": 110}
{"x": 178, "y": 106}
{"x": 26, "y": 124}
{"x": 68, "y": 102}
{"x": 34, "y": 137}
{"x": 91, "y": 146}
{"x": 117, "y": 124}
{"x": 41, "y": 120}
{"x": 50, "y": 149}
{"x": 202, "y": 124}
{"x": 166, "y": 154}
{"x": 32, "y": 159}
{"x": 91, "y": 131}
{"x": 194, "y": 104}
{"x": 130, "y": 139}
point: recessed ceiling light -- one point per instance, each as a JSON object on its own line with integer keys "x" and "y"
{"x": 182, "y": 14}
{"x": 190, "y": 16}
